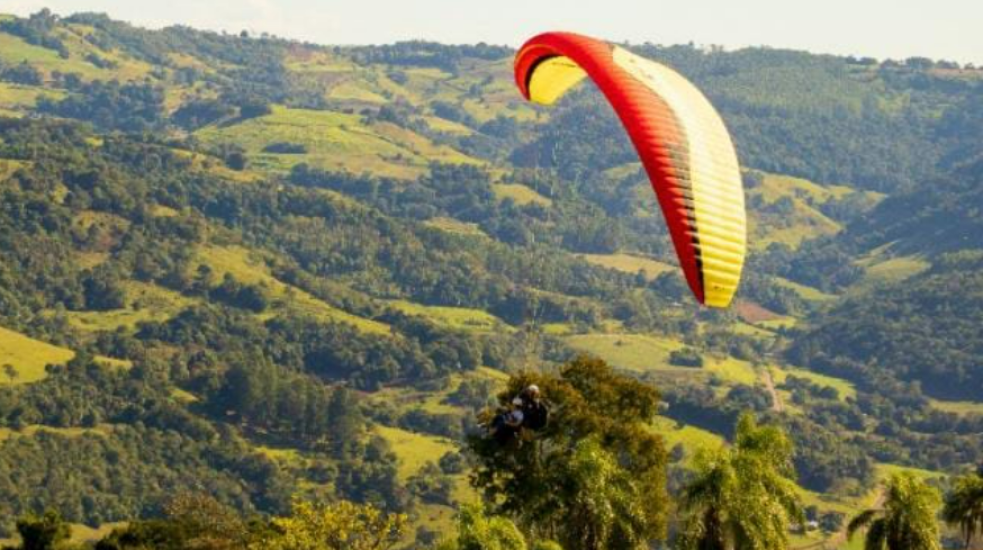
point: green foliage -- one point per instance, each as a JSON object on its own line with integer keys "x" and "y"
{"x": 743, "y": 497}
{"x": 906, "y": 520}
{"x": 476, "y": 530}
{"x": 341, "y": 526}
{"x": 46, "y": 532}
{"x": 964, "y": 506}
{"x": 594, "y": 477}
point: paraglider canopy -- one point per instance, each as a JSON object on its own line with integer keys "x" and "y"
{"x": 680, "y": 139}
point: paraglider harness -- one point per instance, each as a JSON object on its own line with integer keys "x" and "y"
{"x": 507, "y": 426}
{"x": 536, "y": 414}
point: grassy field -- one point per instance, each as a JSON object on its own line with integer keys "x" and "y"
{"x": 692, "y": 439}
{"x": 9, "y": 166}
{"x": 958, "y": 407}
{"x": 452, "y": 225}
{"x": 732, "y": 370}
{"x": 844, "y": 387}
{"x": 460, "y": 318}
{"x": 650, "y": 353}
{"x": 635, "y": 352}
{"x": 18, "y": 96}
{"x": 806, "y": 292}
{"x": 28, "y": 356}
{"x": 251, "y": 270}
{"x": 14, "y": 50}
{"x": 145, "y": 302}
{"x": 896, "y": 269}
{"x": 413, "y": 449}
{"x": 806, "y": 220}
{"x": 628, "y": 263}
{"x": 520, "y": 194}
{"x": 334, "y": 141}
{"x": 780, "y": 322}
{"x": 438, "y": 124}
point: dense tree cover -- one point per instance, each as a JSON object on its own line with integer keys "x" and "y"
{"x": 923, "y": 329}
{"x": 112, "y": 106}
{"x": 427, "y": 54}
{"x": 595, "y": 476}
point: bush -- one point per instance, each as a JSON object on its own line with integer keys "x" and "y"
{"x": 686, "y": 357}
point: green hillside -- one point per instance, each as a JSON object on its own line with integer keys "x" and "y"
{"x": 269, "y": 270}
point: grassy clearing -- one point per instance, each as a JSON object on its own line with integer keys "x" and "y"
{"x": 413, "y": 449}
{"x": 9, "y": 166}
{"x": 460, "y": 318}
{"x": 628, "y": 263}
{"x": 334, "y": 141}
{"x": 452, "y": 225}
{"x": 805, "y": 292}
{"x": 145, "y": 302}
{"x": 557, "y": 329}
{"x": 775, "y": 186}
{"x": 805, "y": 221}
{"x": 958, "y": 407}
{"x": 438, "y": 124}
{"x": 520, "y": 194}
{"x": 650, "y": 353}
{"x": 18, "y": 96}
{"x": 356, "y": 90}
{"x": 251, "y": 270}
{"x": 692, "y": 439}
{"x": 732, "y": 370}
{"x": 14, "y": 50}
{"x": 844, "y": 387}
{"x": 28, "y": 356}
{"x": 636, "y": 352}
{"x": 896, "y": 269}
{"x": 780, "y": 322}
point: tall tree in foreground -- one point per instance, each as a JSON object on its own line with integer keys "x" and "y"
{"x": 907, "y": 519}
{"x": 594, "y": 477}
{"x": 964, "y": 506}
{"x": 340, "y": 526}
{"x": 478, "y": 531}
{"x": 743, "y": 497}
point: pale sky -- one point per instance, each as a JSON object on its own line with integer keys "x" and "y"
{"x": 940, "y": 29}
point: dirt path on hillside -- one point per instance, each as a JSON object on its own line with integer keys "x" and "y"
{"x": 776, "y": 400}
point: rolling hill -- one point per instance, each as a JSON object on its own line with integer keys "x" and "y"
{"x": 274, "y": 269}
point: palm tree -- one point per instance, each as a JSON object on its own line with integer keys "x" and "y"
{"x": 742, "y": 497}
{"x": 964, "y": 506}
{"x": 906, "y": 521}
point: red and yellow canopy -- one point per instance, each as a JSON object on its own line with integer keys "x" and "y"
{"x": 681, "y": 141}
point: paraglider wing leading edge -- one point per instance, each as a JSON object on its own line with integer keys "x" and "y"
{"x": 680, "y": 139}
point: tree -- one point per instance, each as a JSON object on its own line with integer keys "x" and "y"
{"x": 476, "y": 530}
{"x": 193, "y": 520}
{"x": 906, "y": 521}
{"x": 594, "y": 478}
{"x": 964, "y": 506}
{"x": 45, "y": 532}
{"x": 340, "y": 526}
{"x": 10, "y": 372}
{"x": 743, "y": 497}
